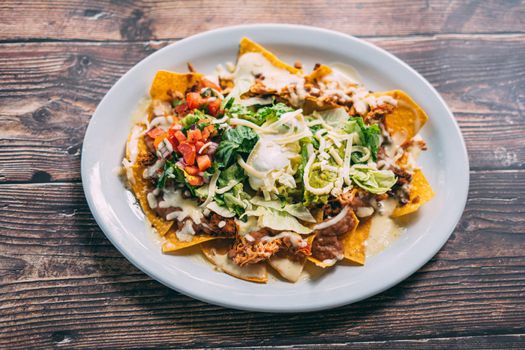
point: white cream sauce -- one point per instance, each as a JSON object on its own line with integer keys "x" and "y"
{"x": 186, "y": 233}
{"x": 346, "y": 73}
{"x": 383, "y": 230}
{"x": 244, "y": 228}
{"x": 295, "y": 239}
{"x": 188, "y": 208}
{"x": 251, "y": 64}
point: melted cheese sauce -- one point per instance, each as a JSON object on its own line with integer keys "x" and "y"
{"x": 383, "y": 230}
{"x": 251, "y": 64}
{"x": 188, "y": 208}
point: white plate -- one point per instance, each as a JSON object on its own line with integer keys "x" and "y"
{"x": 445, "y": 164}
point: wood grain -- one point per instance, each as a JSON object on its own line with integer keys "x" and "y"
{"x": 64, "y": 281}
{"x": 138, "y": 20}
{"x": 48, "y": 97}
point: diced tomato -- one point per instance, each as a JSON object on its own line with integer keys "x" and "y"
{"x": 198, "y": 145}
{"x": 179, "y": 135}
{"x": 205, "y": 134}
{"x": 172, "y": 138}
{"x": 191, "y": 169}
{"x": 159, "y": 139}
{"x": 181, "y": 109}
{"x": 210, "y": 130}
{"x": 188, "y": 152}
{"x": 205, "y": 83}
{"x": 153, "y": 133}
{"x": 195, "y": 180}
{"x": 194, "y": 135}
{"x": 214, "y": 107}
{"x": 194, "y": 100}
{"x": 204, "y": 162}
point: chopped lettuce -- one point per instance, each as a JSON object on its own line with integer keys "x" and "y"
{"x": 235, "y": 141}
{"x": 297, "y": 210}
{"x": 193, "y": 119}
{"x": 372, "y": 180}
{"x": 235, "y": 200}
{"x": 369, "y": 135}
{"x": 266, "y": 114}
{"x": 233, "y": 173}
{"x": 202, "y": 192}
{"x": 173, "y": 171}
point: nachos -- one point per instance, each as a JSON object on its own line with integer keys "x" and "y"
{"x": 265, "y": 165}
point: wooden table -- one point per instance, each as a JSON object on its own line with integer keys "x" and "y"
{"x": 62, "y": 283}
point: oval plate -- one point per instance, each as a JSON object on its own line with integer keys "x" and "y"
{"x": 445, "y": 164}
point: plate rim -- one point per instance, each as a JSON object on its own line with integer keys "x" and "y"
{"x": 465, "y": 179}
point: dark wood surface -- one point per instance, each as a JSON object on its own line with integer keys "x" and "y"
{"x": 63, "y": 285}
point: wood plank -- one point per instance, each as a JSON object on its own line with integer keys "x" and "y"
{"x": 62, "y": 283}
{"x": 491, "y": 342}
{"x": 46, "y": 99}
{"x": 138, "y": 20}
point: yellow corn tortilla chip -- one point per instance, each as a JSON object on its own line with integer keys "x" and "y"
{"x": 246, "y": 45}
{"x": 420, "y": 193}
{"x": 253, "y": 273}
{"x": 407, "y": 118}
{"x": 354, "y": 243}
{"x": 173, "y": 244}
{"x": 351, "y": 245}
{"x": 165, "y": 81}
{"x": 141, "y": 187}
{"x": 318, "y": 73}
{"x": 312, "y": 103}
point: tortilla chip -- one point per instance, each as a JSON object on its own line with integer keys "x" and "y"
{"x": 173, "y": 244}
{"x": 141, "y": 187}
{"x": 165, "y": 81}
{"x": 354, "y": 243}
{"x": 252, "y": 273}
{"x": 420, "y": 193}
{"x": 246, "y": 45}
{"x": 318, "y": 73}
{"x": 286, "y": 267}
{"x": 312, "y": 104}
{"x": 407, "y": 118}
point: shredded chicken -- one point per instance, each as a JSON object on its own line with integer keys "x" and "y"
{"x": 244, "y": 252}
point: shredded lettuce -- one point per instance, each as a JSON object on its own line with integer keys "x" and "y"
{"x": 222, "y": 211}
{"x": 297, "y": 210}
{"x": 336, "y": 117}
{"x": 372, "y": 180}
{"x": 278, "y": 220}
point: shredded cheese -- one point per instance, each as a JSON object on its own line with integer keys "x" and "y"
{"x": 333, "y": 220}
{"x": 237, "y": 121}
{"x": 211, "y": 189}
